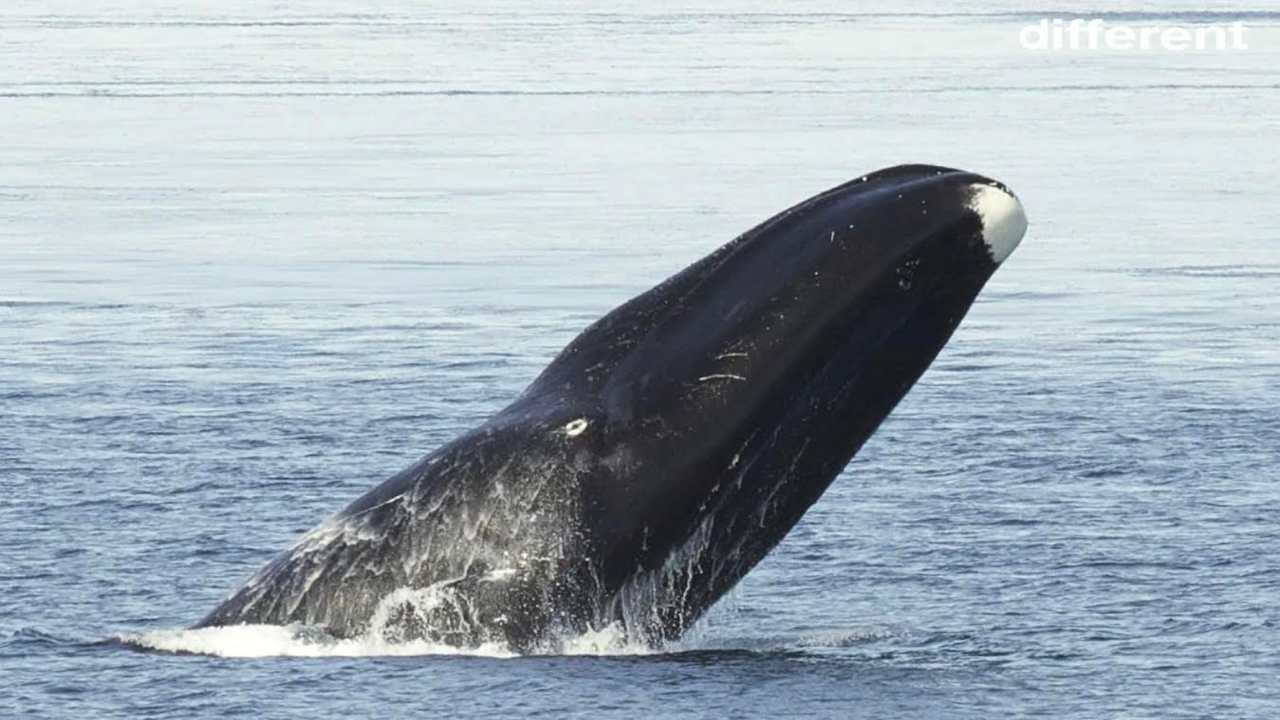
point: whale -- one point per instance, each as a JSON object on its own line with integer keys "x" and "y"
{"x": 671, "y": 445}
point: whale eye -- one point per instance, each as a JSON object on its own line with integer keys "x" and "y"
{"x": 575, "y": 428}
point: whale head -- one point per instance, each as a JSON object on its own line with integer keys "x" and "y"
{"x": 709, "y": 413}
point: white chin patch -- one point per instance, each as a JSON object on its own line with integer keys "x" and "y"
{"x": 1003, "y": 220}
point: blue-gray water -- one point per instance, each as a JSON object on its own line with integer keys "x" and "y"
{"x": 256, "y": 258}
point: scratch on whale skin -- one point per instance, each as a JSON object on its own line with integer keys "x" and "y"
{"x": 721, "y": 376}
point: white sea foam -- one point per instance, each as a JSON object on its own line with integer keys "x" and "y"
{"x": 251, "y": 641}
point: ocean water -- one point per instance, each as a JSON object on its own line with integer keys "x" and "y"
{"x": 256, "y": 257}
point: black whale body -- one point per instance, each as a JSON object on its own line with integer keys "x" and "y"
{"x": 672, "y": 444}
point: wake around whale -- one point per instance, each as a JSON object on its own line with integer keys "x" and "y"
{"x": 671, "y": 445}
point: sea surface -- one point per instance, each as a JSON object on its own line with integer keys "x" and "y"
{"x": 257, "y": 256}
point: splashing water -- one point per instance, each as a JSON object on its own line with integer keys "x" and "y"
{"x": 385, "y": 636}
{"x": 247, "y": 641}
{"x": 252, "y": 641}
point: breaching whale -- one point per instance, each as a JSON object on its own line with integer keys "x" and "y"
{"x": 672, "y": 444}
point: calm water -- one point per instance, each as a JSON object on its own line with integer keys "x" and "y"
{"x": 255, "y": 259}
